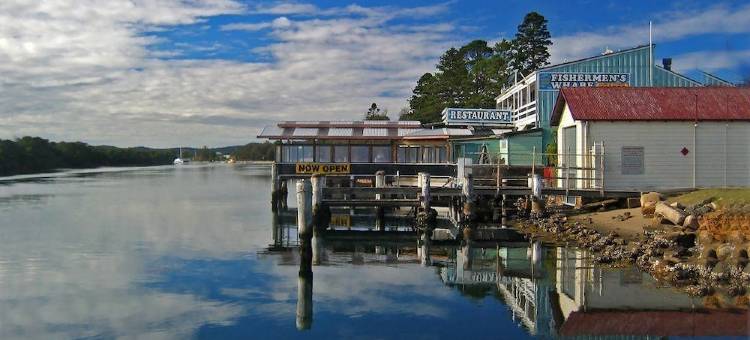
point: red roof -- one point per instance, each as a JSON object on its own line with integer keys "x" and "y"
{"x": 654, "y": 103}
{"x": 657, "y": 323}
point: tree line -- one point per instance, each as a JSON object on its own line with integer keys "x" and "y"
{"x": 34, "y": 155}
{"x": 473, "y": 75}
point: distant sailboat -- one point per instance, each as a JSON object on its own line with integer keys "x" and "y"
{"x": 179, "y": 160}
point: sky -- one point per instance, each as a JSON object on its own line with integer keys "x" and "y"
{"x": 166, "y": 73}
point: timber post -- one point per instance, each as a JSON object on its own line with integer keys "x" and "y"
{"x": 379, "y": 211}
{"x": 303, "y": 228}
{"x": 321, "y": 213}
{"x": 284, "y": 194}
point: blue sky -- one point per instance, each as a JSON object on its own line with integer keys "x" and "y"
{"x": 173, "y": 72}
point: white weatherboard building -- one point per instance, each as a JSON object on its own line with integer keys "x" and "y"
{"x": 655, "y": 138}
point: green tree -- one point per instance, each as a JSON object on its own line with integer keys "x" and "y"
{"x": 374, "y": 113}
{"x": 471, "y": 76}
{"x": 530, "y": 48}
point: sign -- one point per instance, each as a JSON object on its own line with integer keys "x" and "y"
{"x": 549, "y": 81}
{"x": 322, "y": 168}
{"x": 453, "y": 116}
{"x": 340, "y": 220}
{"x": 632, "y": 160}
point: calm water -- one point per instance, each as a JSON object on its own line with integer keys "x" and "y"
{"x": 195, "y": 252}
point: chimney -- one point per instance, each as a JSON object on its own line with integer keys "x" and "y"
{"x": 667, "y": 62}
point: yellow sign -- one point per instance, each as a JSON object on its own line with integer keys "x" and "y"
{"x": 323, "y": 168}
{"x": 338, "y": 220}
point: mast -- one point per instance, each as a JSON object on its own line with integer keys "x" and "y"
{"x": 650, "y": 57}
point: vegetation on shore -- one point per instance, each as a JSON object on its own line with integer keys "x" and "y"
{"x": 28, "y": 155}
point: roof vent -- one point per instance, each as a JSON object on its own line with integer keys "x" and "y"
{"x": 667, "y": 62}
{"x": 607, "y": 51}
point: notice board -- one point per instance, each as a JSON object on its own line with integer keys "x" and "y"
{"x": 632, "y": 160}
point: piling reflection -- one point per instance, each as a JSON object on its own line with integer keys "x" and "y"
{"x": 550, "y": 292}
{"x": 305, "y": 285}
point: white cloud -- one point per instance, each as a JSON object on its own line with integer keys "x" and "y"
{"x": 280, "y": 22}
{"x": 711, "y": 61}
{"x": 668, "y": 26}
{"x": 87, "y": 70}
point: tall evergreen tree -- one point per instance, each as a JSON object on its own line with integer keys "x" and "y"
{"x": 530, "y": 48}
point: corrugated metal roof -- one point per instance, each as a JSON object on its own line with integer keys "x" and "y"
{"x": 270, "y": 131}
{"x": 654, "y": 103}
{"x": 377, "y": 132}
{"x": 340, "y": 132}
{"x": 351, "y": 124}
{"x": 305, "y": 132}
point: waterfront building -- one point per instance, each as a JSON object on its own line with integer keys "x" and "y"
{"x": 531, "y": 98}
{"x": 361, "y": 148}
{"x": 654, "y": 138}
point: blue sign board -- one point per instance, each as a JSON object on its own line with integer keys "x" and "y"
{"x": 550, "y": 81}
{"x": 453, "y": 116}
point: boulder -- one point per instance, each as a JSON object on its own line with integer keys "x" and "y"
{"x": 442, "y": 234}
{"x": 671, "y": 214}
{"x": 677, "y": 205}
{"x": 690, "y": 222}
{"x": 648, "y": 203}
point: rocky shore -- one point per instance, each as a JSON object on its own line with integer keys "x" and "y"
{"x": 680, "y": 249}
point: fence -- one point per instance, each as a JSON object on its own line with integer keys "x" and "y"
{"x": 564, "y": 170}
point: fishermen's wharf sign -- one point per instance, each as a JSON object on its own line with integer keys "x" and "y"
{"x": 557, "y": 80}
{"x": 453, "y": 116}
{"x": 322, "y": 168}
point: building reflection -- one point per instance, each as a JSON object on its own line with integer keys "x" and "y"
{"x": 549, "y": 292}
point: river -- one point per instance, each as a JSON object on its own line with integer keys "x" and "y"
{"x": 195, "y": 252}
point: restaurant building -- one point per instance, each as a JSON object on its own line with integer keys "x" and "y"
{"x": 361, "y": 147}
{"x": 656, "y": 138}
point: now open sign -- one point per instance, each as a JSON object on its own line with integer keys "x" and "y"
{"x": 322, "y": 168}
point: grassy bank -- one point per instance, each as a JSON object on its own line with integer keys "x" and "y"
{"x": 724, "y": 198}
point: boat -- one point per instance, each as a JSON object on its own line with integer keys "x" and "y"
{"x": 179, "y": 160}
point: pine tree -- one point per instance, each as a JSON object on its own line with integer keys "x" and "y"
{"x": 529, "y": 50}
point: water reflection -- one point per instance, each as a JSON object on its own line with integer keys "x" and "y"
{"x": 196, "y": 253}
{"x": 551, "y": 292}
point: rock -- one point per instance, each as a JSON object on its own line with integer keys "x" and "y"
{"x": 442, "y": 234}
{"x": 650, "y": 199}
{"x": 723, "y": 251}
{"x": 699, "y": 290}
{"x": 690, "y": 222}
{"x": 673, "y": 215}
{"x": 736, "y": 290}
{"x": 705, "y": 237}
{"x": 677, "y": 205}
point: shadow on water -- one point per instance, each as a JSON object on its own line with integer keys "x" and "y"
{"x": 549, "y": 292}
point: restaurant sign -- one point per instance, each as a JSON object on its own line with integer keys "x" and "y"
{"x": 477, "y": 116}
{"x": 322, "y": 168}
{"x": 549, "y": 81}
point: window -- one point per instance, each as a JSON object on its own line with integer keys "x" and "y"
{"x": 323, "y": 153}
{"x": 297, "y": 153}
{"x": 360, "y": 154}
{"x": 408, "y": 154}
{"x": 428, "y": 154}
{"x": 381, "y": 154}
{"x": 442, "y": 154}
{"x": 341, "y": 153}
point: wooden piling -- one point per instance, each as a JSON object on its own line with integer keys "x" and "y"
{"x": 284, "y": 194}
{"x": 424, "y": 184}
{"x": 379, "y": 210}
{"x": 467, "y": 189}
{"x": 303, "y": 228}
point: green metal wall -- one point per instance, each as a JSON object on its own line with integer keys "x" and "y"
{"x": 521, "y": 147}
